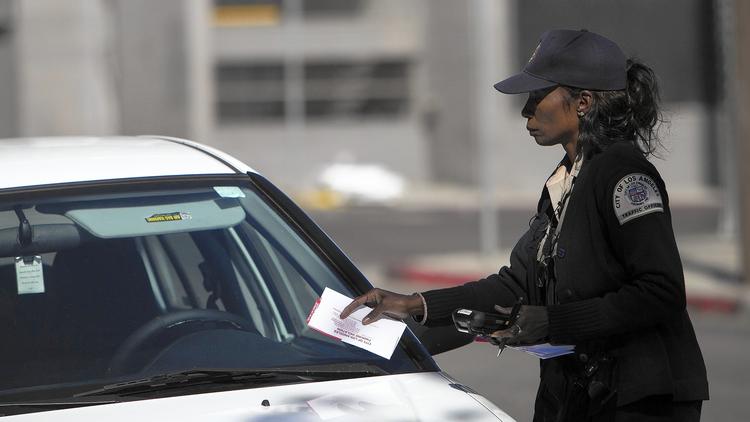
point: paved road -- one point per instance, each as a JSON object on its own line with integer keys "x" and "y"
{"x": 510, "y": 382}
{"x": 384, "y": 236}
{"x": 380, "y": 235}
{"x": 377, "y": 237}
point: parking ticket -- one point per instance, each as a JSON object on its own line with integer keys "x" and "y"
{"x": 379, "y": 337}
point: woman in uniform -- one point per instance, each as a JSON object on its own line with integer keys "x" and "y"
{"x": 598, "y": 267}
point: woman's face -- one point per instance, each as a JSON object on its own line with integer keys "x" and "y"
{"x": 551, "y": 117}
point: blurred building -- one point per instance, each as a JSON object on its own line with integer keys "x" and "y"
{"x": 299, "y": 84}
{"x": 293, "y": 85}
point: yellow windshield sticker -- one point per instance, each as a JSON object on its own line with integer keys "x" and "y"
{"x": 171, "y": 216}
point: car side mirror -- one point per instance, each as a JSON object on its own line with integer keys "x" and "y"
{"x": 440, "y": 339}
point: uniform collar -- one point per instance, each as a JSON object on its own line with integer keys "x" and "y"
{"x": 562, "y": 178}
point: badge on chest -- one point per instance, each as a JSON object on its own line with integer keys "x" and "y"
{"x": 636, "y": 195}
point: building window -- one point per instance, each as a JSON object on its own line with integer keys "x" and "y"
{"x": 249, "y": 92}
{"x": 270, "y": 12}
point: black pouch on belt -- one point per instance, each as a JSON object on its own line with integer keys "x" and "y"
{"x": 602, "y": 389}
{"x": 591, "y": 388}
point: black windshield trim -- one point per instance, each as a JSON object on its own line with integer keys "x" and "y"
{"x": 74, "y": 401}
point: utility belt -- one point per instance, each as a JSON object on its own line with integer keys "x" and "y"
{"x": 590, "y": 384}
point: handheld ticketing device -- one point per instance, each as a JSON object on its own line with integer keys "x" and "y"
{"x": 479, "y": 323}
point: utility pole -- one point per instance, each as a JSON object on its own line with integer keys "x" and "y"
{"x": 199, "y": 80}
{"x": 493, "y": 34}
{"x": 742, "y": 110}
{"x": 294, "y": 70}
{"x": 726, "y": 118}
{"x": 485, "y": 18}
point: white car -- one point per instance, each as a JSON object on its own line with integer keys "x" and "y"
{"x": 153, "y": 278}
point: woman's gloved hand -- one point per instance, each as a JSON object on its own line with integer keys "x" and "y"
{"x": 531, "y": 327}
{"x": 387, "y": 303}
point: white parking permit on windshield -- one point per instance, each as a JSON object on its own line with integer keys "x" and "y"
{"x": 29, "y": 275}
{"x": 229, "y": 191}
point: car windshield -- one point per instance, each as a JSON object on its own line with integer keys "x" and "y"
{"x": 111, "y": 285}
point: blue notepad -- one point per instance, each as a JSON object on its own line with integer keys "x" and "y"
{"x": 546, "y": 350}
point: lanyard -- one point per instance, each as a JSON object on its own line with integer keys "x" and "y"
{"x": 559, "y": 215}
{"x": 548, "y": 246}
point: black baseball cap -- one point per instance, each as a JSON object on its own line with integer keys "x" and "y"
{"x": 579, "y": 59}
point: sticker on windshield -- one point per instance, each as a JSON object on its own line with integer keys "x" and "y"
{"x": 229, "y": 191}
{"x": 29, "y": 275}
{"x": 170, "y": 216}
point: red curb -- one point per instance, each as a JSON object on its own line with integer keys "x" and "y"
{"x": 418, "y": 275}
{"x": 713, "y": 304}
{"x": 425, "y": 276}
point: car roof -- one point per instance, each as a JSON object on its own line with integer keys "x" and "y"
{"x": 53, "y": 160}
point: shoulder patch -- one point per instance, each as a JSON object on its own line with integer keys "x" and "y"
{"x": 636, "y": 195}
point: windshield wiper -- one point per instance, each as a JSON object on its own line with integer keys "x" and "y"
{"x": 198, "y": 377}
{"x": 12, "y": 408}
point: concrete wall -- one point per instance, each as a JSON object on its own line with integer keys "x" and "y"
{"x": 293, "y": 156}
{"x": 678, "y": 43}
{"x": 63, "y": 74}
{"x": 138, "y": 66}
{"x": 448, "y": 98}
{"x": 679, "y": 52}
{"x": 154, "y": 44}
{"x": 520, "y": 165}
{"x": 295, "y": 163}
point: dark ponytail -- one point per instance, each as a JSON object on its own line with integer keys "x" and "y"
{"x": 630, "y": 115}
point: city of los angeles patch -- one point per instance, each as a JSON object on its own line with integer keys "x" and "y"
{"x": 636, "y": 195}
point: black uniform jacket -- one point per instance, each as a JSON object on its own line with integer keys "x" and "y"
{"x": 620, "y": 285}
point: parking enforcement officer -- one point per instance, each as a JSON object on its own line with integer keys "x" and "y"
{"x": 598, "y": 267}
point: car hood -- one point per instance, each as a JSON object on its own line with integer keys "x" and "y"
{"x": 408, "y": 397}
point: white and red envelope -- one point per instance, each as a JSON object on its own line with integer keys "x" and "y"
{"x": 380, "y": 337}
